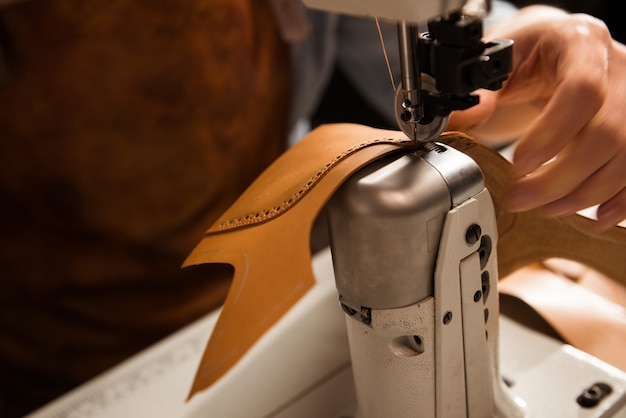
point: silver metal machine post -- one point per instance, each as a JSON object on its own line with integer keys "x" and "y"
{"x": 413, "y": 236}
{"x": 413, "y": 239}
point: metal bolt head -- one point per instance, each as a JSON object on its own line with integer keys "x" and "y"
{"x": 473, "y": 234}
{"x": 591, "y": 396}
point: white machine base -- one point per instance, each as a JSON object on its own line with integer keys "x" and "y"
{"x": 301, "y": 368}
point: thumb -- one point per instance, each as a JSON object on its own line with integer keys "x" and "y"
{"x": 464, "y": 120}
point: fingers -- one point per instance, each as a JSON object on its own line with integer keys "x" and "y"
{"x": 567, "y": 86}
{"x": 598, "y": 188}
{"x": 565, "y": 73}
{"x": 575, "y": 83}
{"x": 590, "y": 171}
{"x": 576, "y": 101}
{"x": 613, "y": 211}
{"x": 573, "y": 156}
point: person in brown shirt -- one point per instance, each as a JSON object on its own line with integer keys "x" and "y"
{"x": 126, "y": 128}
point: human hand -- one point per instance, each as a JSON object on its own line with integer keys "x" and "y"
{"x": 564, "y": 100}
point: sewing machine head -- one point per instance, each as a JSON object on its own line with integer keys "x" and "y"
{"x": 440, "y": 68}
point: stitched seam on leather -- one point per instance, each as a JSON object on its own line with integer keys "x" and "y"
{"x": 263, "y": 215}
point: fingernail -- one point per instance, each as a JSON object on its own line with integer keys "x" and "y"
{"x": 609, "y": 217}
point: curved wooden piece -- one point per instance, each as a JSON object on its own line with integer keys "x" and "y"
{"x": 529, "y": 237}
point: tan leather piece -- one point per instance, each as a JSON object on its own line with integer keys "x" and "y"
{"x": 581, "y": 317}
{"x": 588, "y": 278}
{"x": 265, "y": 236}
{"x": 529, "y": 237}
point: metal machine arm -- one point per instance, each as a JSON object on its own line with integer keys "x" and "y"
{"x": 413, "y": 237}
{"x": 441, "y": 68}
{"x": 453, "y": 61}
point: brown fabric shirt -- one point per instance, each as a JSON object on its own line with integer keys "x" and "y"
{"x": 126, "y": 128}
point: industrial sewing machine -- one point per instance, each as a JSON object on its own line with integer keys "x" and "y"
{"x": 413, "y": 237}
{"x": 414, "y": 263}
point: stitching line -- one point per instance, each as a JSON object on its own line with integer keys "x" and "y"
{"x": 263, "y": 215}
